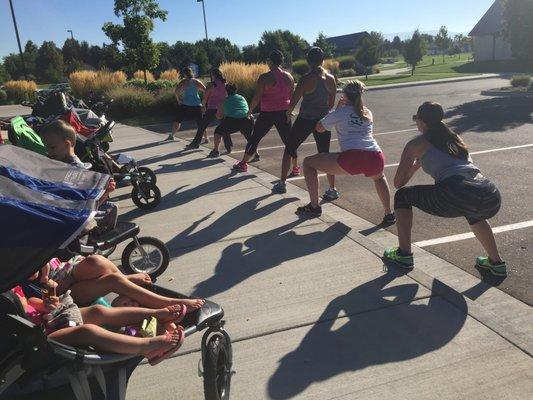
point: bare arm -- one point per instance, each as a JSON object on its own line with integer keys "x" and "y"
{"x": 297, "y": 94}
{"x": 207, "y": 94}
{"x": 199, "y": 84}
{"x": 257, "y": 95}
{"x": 409, "y": 162}
{"x": 178, "y": 91}
{"x": 331, "y": 86}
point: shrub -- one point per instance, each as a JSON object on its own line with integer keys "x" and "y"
{"x": 300, "y": 67}
{"x": 19, "y": 91}
{"x": 520, "y": 81}
{"x": 160, "y": 84}
{"x": 82, "y": 82}
{"x": 244, "y": 76}
{"x": 3, "y": 97}
{"x": 130, "y": 101}
{"x": 140, "y": 75}
{"x": 170, "y": 75}
{"x": 332, "y": 66}
{"x": 346, "y": 62}
{"x": 165, "y": 102}
{"x": 347, "y": 72}
{"x": 137, "y": 83}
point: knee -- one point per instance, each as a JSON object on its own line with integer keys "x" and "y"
{"x": 308, "y": 163}
{"x": 401, "y": 198}
{"x": 102, "y": 263}
{"x": 115, "y": 277}
{"x": 87, "y": 330}
{"x": 97, "y": 311}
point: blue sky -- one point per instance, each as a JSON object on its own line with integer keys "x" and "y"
{"x": 239, "y": 20}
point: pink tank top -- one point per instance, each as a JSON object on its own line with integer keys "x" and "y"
{"x": 277, "y": 97}
{"x": 217, "y": 95}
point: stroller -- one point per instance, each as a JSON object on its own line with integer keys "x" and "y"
{"x": 48, "y": 204}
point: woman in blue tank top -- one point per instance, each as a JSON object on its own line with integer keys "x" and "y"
{"x": 459, "y": 190}
{"x": 189, "y": 102}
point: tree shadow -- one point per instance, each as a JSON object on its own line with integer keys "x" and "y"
{"x": 490, "y": 115}
{"x": 139, "y": 147}
{"x": 188, "y": 165}
{"x": 387, "y": 334}
{"x": 240, "y": 261}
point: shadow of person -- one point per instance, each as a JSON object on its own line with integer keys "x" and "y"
{"x": 490, "y": 115}
{"x": 397, "y": 329}
{"x": 188, "y": 165}
{"x": 191, "y": 239}
{"x": 240, "y": 261}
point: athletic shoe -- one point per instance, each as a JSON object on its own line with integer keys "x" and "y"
{"x": 255, "y": 158}
{"x": 309, "y": 211}
{"x": 240, "y": 167}
{"x": 170, "y": 137}
{"x": 388, "y": 219}
{"x": 331, "y": 194}
{"x": 403, "y": 261}
{"x": 495, "y": 269}
{"x": 205, "y": 141}
{"x": 295, "y": 172}
{"x": 214, "y": 154}
{"x": 280, "y": 187}
{"x": 192, "y": 146}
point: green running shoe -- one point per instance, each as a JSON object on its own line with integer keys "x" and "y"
{"x": 393, "y": 254}
{"x": 495, "y": 269}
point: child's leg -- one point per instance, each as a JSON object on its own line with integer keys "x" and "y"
{"x": 95, "y": 266}
{"x": 104, "y": 340}
{"x": 124, "y": 316}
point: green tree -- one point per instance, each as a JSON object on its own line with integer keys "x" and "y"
{"x": 250, "y": 54}
{"x": 85, "y": 53}
{"x": 30, "y": 55}
{"x": 368, "y": 54}
{"x": 111, "y": 59}
{"x": 518, "y": 27}
{"x": 327, "y": 47}
{"x": 397, "y": 43}
{"x": 49, "y": 63}
{"x": 138, "y": 16}
{"x": 4, "y": 75}
{"x": 414, "y": 50}
{"x": 443, "y": 41}
{"x": 96, "y": 53}
{"x": 292, "y": 46}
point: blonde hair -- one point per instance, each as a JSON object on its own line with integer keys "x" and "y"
{"x": 354, "y": 93}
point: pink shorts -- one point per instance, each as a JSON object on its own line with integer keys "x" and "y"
{"x": 355, "y": 162}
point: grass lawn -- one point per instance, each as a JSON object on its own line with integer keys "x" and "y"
{"x": 140, "y": 120}
{"x": 375, "y": 80}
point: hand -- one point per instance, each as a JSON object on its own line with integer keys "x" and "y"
{"x": 51, "y": 303}
{"x": 289, "y": 116}
{"x": 112, "y": 185}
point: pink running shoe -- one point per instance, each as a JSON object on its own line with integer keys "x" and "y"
{"x": 295, "y": 172}
{"x": 240, "y": 167}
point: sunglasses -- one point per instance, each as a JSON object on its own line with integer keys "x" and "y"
{"x": 415, "y": 118}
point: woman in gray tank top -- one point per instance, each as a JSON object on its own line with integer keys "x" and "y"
{"x": 459, "y": 190}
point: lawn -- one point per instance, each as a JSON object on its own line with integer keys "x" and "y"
{"x": 375, "y": 80}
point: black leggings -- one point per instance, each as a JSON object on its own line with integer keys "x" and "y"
{"x": 208, "y": 117}
{"x": 263, "y": 124}
{"x": 231, "y": 125}
{"x": 300, "y": 131}
{"x": 456, "y": 196}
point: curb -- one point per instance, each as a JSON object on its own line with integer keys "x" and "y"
{"x": 506, "y": 93}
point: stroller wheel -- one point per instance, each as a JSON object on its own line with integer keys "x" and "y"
{"x": 148, "y": 198}
{"x": 146, "y": 254}
{"x": 217, "y": 369}
{"x": 148, "y": 175}
{"x": 106, "y": 253}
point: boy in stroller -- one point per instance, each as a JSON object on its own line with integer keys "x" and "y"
{"x": 60, "y": 139}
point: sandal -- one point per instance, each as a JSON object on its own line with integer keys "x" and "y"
{"x": 156, "y": 359}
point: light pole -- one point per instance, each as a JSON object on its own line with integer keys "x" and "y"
{"x": 205, "y": 26}
{"x": 18, "y": 39}
{"x": 71, "y": 34}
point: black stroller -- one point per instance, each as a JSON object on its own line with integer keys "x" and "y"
{"x": 44, "y": 205}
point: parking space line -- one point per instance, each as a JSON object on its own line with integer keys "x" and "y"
{"x": 297, "y": 178}
{"x": 469, "y": 235}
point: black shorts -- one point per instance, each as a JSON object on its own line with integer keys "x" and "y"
{"x": 189, "y": 113}
{"x": 300, "y": 131}
{"x": 231, "y": 125}
{"x": 265, "y": 121}
{"x": 456, "y": 196}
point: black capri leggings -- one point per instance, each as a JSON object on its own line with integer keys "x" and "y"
{"x": 300, "y": 131}
{"x": 208, "y": 117}
{"x": 263, "y": 124}
{"x": 231, "y": 125}
{"x": 456, "y": 196}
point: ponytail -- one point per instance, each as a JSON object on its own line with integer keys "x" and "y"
{"x": 354, "y": 92}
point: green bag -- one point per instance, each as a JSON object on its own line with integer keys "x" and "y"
{"x": 22, "y": 135}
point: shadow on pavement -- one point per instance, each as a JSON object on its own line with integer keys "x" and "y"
{"x": 187, "y": 165}
{"x": 388, "y": 334}
{"x": 267, "y": 250}
{"x": 163, "y": 157}
{"x": 139, "y": 147}
{"x": 493, "y": 114}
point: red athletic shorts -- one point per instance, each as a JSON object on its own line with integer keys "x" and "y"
{"x": 355, "y": 162}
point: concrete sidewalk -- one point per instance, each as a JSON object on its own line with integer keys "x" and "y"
{"x": 312, "y": 311}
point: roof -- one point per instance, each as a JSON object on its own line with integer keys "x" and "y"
{"x": 347, "y": 42}
{"x": 491, "y": 22}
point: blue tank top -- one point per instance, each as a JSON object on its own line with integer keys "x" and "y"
{"x": 191, "y": 96}
{"x": 440, "y": 165}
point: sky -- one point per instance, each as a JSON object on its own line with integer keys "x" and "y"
{"x": 241, "y": 21}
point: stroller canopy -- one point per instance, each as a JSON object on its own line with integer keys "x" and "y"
{"x": 44, "y": 206}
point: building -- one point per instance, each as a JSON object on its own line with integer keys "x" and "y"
{"x": 487, "y": 37}
{"x": 347, "y": 43}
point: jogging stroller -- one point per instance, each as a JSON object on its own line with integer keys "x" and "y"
{"x": 44, "y": 214}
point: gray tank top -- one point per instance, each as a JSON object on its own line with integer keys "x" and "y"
{"x": 440, "y": 165}
{"x": 315, "y": 105}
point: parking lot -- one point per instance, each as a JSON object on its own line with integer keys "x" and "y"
{"x": 498, "y": 132}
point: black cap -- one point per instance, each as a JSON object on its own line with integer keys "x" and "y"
{"x": 315, "y": 56}
{"x": 276, "y": 57}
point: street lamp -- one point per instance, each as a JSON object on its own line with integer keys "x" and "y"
{"x": 18, "y": 39}
{"x": 71, "y": 34}
{"x": 205, "y": 26}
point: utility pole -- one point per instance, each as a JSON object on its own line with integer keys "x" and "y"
{"x": 18, "y": 39}
{"x": 205, "y": 26}
{"x": 71, "y": 34}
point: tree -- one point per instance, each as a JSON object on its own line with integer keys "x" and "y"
{"x": 138, "y": 18}
{"x": 397, "y": 43}
{"x": 49, "y": 63}
{"x": 96, "y": 53}
{"x": 368, "y": 54}
{"x": 327, "y": 47}
{"x": 443, "y": 41}
{"x": 292, "y": 46}
{"x": 85, "y": 53}
{"x": 4, "y": 75}
{"x": 518, "y": 27}
{"x": 414, "y": 50}
{"x": 250, "y": 54}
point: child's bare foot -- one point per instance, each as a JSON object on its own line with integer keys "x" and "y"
{"x": 192, "y": 304}
{"x": 173, "y": 313}
{"x": 177, "y": 338}
{"x": 141, "y": 279}
{"x": 162, "y": 343}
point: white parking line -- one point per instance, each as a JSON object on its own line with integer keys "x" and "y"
{"x": 469, "y": 235}
{"x": 332, "y": 140}
{"x": 472, "y": 154}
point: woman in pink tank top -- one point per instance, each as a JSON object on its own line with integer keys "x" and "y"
{"x": 274, "y": 91}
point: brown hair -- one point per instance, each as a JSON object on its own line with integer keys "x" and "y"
{"x": 187, "y": 72}
{"x": 438, "y": 133}
{"x": 60, "y": 129}
{"x": 354, "y": 92}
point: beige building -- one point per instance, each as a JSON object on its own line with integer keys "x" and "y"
{"x": 487, "y": 38}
